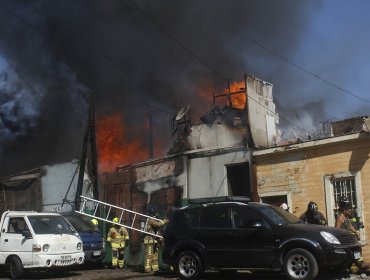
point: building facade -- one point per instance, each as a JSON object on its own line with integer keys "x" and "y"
{"x": 321, "y": 171}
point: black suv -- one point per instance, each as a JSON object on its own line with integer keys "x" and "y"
{"x": 228, "y": 236}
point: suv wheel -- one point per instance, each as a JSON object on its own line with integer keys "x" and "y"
{"x": 300, "y": 264}
{"x": 189, "y": 266}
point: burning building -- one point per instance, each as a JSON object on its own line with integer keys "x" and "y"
{"x": 213, "y": 158}
{"x": 208, "y": 159}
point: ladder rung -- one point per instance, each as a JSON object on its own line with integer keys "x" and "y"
{"x": 133, "y": 220}
{"x": 116, "y": 208}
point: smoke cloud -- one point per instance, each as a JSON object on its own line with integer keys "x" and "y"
{"x": 136, "y": 56}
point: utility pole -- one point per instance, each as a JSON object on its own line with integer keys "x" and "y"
{"x": 89, "y": 156}
{"x": 150, "y": 120}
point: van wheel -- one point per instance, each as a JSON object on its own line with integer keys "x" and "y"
{"x": 300, "y": 264}
{"x": 189, "y": 266}
{"x": 15, "y": 268}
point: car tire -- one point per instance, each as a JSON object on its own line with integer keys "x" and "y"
{"x": 15, "y": 268}
{"x": 189, "y": 266}
{"x": 300, "y": 264}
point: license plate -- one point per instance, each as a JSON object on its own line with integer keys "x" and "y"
{"x": 96, "y": 253}
{"x": 66, "y": 258}
{"x": 357, "y": 255}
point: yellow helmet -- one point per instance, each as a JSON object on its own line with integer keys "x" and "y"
{"x": 115, "y": 220}
{"x": 94, "y": 221}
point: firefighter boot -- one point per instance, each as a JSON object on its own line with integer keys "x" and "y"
{"x": 354, "y": 269}
{"x": 362, "y": 265}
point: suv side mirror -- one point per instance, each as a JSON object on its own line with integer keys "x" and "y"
{"x": 27, "y": 234}
{"x": 258, "y": 225}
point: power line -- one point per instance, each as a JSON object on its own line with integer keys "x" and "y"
{"x": 300, "y": 67}
{"x": 151, "y": 19}
{"x": 199, "y": 59}
{"x": 188, "y": 50}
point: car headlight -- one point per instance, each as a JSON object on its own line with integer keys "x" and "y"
{"x": 79, "y": 246}
{"x": 329, "y": 237}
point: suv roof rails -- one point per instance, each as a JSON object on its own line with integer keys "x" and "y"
{"x": 244, "y": 199}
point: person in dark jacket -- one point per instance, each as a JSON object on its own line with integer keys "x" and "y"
{"x": 344, "y": 221}
{"x": 313, "y": 215}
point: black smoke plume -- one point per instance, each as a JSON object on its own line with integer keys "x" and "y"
{"x": 131, "y": 54}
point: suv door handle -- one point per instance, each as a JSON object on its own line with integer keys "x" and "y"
{"x": 6, "y": 240}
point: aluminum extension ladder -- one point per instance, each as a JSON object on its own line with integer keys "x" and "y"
{"x": 136, "y": 215}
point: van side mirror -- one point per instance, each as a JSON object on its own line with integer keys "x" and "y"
{"x": 27, "y": 234}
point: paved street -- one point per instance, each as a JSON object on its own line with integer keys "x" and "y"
{"x": 116, "y": 274}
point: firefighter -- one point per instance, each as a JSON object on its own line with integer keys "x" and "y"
{"x": 344, "y": 221}
{"x": 94, "y": 222}
{"x": 356, "y": 220}
{"x": 313, "y": 215}
{"x": 151, "y": 243}
{"x": 118, "y": 238}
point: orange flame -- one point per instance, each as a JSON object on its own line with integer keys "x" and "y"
{"x": 113, "y": 148}
{"x": 239, "y": 100}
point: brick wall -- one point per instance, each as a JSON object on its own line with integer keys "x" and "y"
{"x": 300, "y": 172}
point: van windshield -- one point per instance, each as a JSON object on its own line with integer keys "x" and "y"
{"x": 81, "y": 223}
{"x": 50, "y": 224}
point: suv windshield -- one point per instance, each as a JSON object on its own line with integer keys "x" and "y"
{"x": 50, "y": 224}
{"x": 279, "y": 216}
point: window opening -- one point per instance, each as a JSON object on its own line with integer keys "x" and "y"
{"x": 344, "y": 187}
{"x": 275, "y": 200}
{"x": 238, "y": 178}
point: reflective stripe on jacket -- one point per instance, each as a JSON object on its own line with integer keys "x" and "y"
{"x": 117, "y": 238}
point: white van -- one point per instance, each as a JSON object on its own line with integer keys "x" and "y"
{"x": 33, "y": 240}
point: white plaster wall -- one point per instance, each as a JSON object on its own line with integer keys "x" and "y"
{"x": 261, "y": 113}
{"x": 207, "y": 175}
{"x": 203, "y": 136}
{"x": 55, "y": 183}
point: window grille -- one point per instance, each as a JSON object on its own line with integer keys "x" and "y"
{"x": 344, "y": 187}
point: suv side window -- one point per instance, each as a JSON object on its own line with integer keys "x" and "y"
{"x": 192, "y": 217}
{"x": 246, "y": 218}
{"x": 215, "y": 217}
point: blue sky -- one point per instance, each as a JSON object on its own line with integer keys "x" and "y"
{"x": 335, "y": 46}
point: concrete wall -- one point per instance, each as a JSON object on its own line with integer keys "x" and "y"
{"x": 207, "y": 175}
{"x": 199, "y": 173}
{"x": 261, "y": 112}
{"x": 55, "y": 182}
{"x": 303, "y": 173}
{"x": 218, "y": 135}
